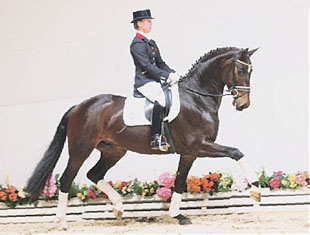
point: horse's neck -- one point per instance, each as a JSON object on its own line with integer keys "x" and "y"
{"x": 207, "y": 80}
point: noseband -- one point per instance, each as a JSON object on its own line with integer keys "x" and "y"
{"x": 234, "y": 90}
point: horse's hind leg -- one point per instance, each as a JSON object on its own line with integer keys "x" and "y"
{"x": 109, "y": 157}
{"x": 78, "y": 154}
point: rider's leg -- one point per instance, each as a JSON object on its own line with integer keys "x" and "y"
{"x": 158, "y": 142}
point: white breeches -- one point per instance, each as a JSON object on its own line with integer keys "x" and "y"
{"x": 154, "y": 92}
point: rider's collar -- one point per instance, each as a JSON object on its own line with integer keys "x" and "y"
{"x": 141, "y": 35}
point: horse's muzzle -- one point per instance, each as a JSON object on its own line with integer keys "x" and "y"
{"x": 241, "y": 103}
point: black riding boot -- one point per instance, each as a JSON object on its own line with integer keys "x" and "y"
{"x": 158, "y": 141}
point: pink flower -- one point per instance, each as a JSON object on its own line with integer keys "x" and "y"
{"x": 166, "y": 180}
{"x": 301, "y": 178}
{"x": 279, "y": 173}
{"x": 275, "y": 183}
{"x": 164, "y": 193}
{"x": 50, "y": 187}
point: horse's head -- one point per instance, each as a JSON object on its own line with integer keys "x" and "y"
{"x": 237, "y": 76}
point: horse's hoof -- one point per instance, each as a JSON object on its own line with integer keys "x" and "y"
{"x": 118, "y": 214}
{"x": 61, "y": 224}
{"x": 183, "y": 220}
{"x": 256, "y": 194}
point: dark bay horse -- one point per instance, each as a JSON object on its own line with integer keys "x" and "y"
{"x": 97, "y": 123}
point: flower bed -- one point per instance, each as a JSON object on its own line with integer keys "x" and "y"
{"x": 152, "y": 206}
{"x": 209, "y": 184}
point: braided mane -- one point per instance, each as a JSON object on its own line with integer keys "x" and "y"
{"x": 209, "y": 55}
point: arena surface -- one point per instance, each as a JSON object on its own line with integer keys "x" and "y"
{"x": 287, "y": 222}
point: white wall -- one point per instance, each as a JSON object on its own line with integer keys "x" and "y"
{"x": 54, "y": 54}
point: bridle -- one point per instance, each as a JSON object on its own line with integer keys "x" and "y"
{"x": 233, "y": 90}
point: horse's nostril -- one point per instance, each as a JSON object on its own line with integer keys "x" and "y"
{"x": 241, "y": 107}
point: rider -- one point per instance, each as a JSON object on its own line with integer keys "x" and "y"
{"x": 150, "y": 71}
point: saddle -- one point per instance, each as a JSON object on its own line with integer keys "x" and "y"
{"x": 138, "y": 110}
{"x": 148, "y": 106}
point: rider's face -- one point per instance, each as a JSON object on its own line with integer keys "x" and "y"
{"x": 145, "y": 25}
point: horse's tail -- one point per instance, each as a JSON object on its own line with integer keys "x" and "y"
{"x": 47, "y": 164}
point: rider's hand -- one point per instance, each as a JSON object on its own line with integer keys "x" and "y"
{"x": 173, "y": 78}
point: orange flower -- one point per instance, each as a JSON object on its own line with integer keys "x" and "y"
{"x": 11, "y": 189}
{"x": 13, "y": 197}
{"x": 193, "y": 184}
{"x": 214, "y": 176}
{"x": 192, "y": 188}
{"x": 2, "y": 196}
{"x": 206, "y": 183}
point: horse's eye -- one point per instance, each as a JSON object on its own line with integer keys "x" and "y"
{"x": 240, "y": 71}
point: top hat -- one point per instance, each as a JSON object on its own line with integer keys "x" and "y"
{"x": 140, "y": 15}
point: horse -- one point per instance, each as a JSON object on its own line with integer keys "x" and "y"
{"x": 97, "y": 123}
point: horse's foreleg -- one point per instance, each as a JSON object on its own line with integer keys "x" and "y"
{"x": 107, "y": 160}
{"x": 251, "y": 177}
{"x": 185, "y": 164}
{"x": 215, "y": 150}
{"x": 114, "y": 197}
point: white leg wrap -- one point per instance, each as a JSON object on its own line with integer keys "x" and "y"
{"x": 247, "y": 170}
{"x": 61, "y": 209}
{"x": 114, "y": 197}
{"x": 108, "y": 190}
{"x": 174, "y": 208}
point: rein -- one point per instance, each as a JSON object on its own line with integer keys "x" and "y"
{"x": 234, "y": 89}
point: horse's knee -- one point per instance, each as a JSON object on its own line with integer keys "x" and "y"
{"x": 236, "y": 154}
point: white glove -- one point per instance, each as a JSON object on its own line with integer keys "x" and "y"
{"x": 173, "y": 78}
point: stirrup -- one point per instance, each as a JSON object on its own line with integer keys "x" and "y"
{"x": 159, "y": 143}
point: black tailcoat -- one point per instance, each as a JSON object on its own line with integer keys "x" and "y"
{"x": 149, "y": 64}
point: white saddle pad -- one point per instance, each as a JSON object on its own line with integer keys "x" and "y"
{"x": 134, "y": 109}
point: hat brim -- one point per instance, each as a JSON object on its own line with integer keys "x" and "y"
{"x": 141, "y": 18}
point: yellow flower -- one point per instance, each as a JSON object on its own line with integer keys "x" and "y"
{"x": 284, "y": 182}
{"x": 7, "y": 181}
{"x": 81, "y": 196}
{"x": 293, "y": 185}
{"x": 118, "y": 183}
{"x": 152, "y": 190}
{"x": 83, "y": 186}
{"x": 291, "y": 177}
{"x": 145, "y": 192}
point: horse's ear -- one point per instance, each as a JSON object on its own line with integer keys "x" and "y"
{"x": 251, "y": 52}
{"x": 244, "y": 53}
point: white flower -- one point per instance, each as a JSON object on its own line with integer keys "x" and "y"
{"x": 22, "y": 194}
